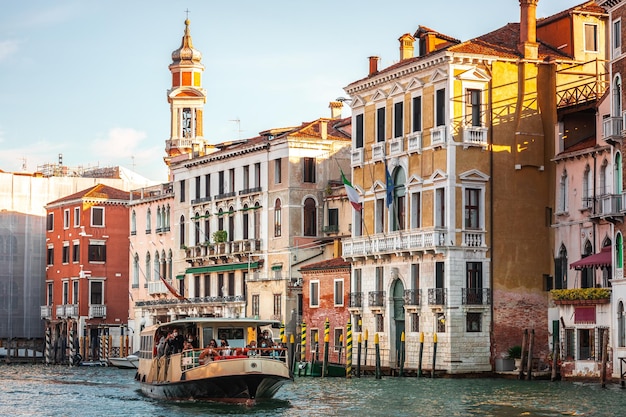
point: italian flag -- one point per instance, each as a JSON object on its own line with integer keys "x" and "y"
{"x": 353, "y": 195}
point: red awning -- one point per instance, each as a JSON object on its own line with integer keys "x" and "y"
{"x": 597, "y": 260}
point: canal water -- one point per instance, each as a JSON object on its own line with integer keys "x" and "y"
{"x": 39, "y": 390}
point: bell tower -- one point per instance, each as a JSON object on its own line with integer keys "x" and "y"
{"x": 187, "y": 99}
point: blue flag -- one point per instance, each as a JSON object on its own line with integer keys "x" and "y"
{"x": 390, "y": 186}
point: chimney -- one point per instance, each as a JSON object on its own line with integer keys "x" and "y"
{"x": 373, "y": 65}
{"x": 406, "y": 46}
{"x": 335, "y": 109}
{"x": 324, "y": 129}
{"x": 528, "y": 46}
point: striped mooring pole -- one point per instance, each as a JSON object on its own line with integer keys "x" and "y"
{"x": 349, "y": 350}
{"x": 48, "y": 345}
{"x": 282, "y": 333}
{"x": 377, "y": 346}
{"x": 303, "y": 343}
{"x": 72, "y": 345}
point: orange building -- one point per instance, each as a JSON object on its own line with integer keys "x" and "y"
{"x": 87, "y": 273}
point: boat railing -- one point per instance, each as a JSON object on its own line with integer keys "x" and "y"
{"x": 193, "y": 358}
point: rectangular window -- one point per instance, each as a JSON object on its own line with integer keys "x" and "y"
{"x": 440, "y": 207}
{"x": 380, "y": 323}
{"x": 246, "y": 177}
{"x": 207, "y": 185}
{"x": 50, "y": 222}
{"x": 96, "y": 295}
{"x": 440, "y": 107}
{"x": 591, "y": 38}
{"x": 315, "y": 340}
{"x": 207, "y": 285}
{"x": 473, "y": 107}
{"x": 472, "y": 208}
{"x": 66, "y": 253}
{"x": 75, "y": 291}
{"x": 182, "y": 191}
{"x": 255, "y": 305}
{"x": 358, "y": 131}
{"x": 196, "y": 285}
{"x": 380, "y": 215}
{"x": 97, "y": 253}
{"x": 441, "y": 322}
{"x": 338, "y": 339}
{"x": 380, "y": 124}
{"x": 398, "y": 119}
{"x": 97, "y": 216}
{"x": 333, "y": 219}
{"x": 415, "y": 322}
{"x": 338, "y": 292}
{"x": 50, "y": 294}
{"x": 50, "y": 256}
{"x": 314, "y": 294}
{"x": 617, "y": 37}
{"x": 308, "y": 174}
{"x": 198, "y": 187}
{"x": 231, "y": 180}
{"x": 220, "y": 183}
{"x": 278, "y": 174}
{"x": 257, "y": 175}
{"x": 416, "y": 210}
{"x": 66, "y": 292}
{"x": 66, "y": 218}
{"x": 231, "y": 284}
{"x": 76, "y": 216}
{"x": 357, "y": 324}
{"x": 220, "y": 285}
{"x": 277, "y": 305}
{"x": 417, "y": 114}
{"x": 473, "y": 322}
{"x": 379, "y": 279}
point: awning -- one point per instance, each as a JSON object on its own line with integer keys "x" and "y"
{"x": 222, "y": 267}
{"x": 597, "y": 260}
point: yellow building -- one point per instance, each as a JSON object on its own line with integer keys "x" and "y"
{"x": 451, "y": 156}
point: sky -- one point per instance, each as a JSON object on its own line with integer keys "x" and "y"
{"x": 89, "y": 79}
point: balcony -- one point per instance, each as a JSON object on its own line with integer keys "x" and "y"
{"x": 581, "y": 296}
{"x": 474, "y": 136}
{"x": 196, "y": 302}
{"x": 438, "y": 136}
{"x": 71, "y": 310}
{"x": 380, "y": 245}
{"x": 97, "y": 311}
{"x": 473, "y": 239}
{"x": 224, "y": 195}
{"x": 157, "y": 287}
{"x": 357, "y": 157}
{"x": 331, "y": 228}
{"x": 414, "y": 141}
{"x": 378, "y": 151}
{"x": 437, "y": 296}
{"x": 201, "y": 200}
{"x": 396, "y": 146}
{"x": 610, "y": 208}
{"x": 612, "y": 130}
{"x": 376, "y": 299}
{"x": 214, "y": 250}
{"x": 46, "y": 312}
{"x": 476, "y": 296}
{"x": 60, "y": 310}
{"x": 251, "y": 190}
{"x": 412, "y": 297}
{"x": 356, "y": 300}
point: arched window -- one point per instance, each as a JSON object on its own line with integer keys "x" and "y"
{"x": 244, "y": 222}
{"x": 602, "y": 180}
{"x": 587, "y": 274}
{"x": 560, "y": 269}
{"x": 133, "y": 223}
{"x": 196, "y": 229}
{"x": 167, "y": 219}
{"x": 163, "y": 265}
{"x": 310, "y": 219}
{"x": 148, "y": 267}
{"x": 159, "y": 225}
{"x": 136, "y": 271}
{"x": 181, "y": 231}
{"x": 207, "y": 227}
{"x": 257, "y": 221}
{"x": 619, "y": 251}
{"x": 231, "y": 224}
{"x": 617, "y": 97}
{"x": 563, "y": 193}
{"x": 157, "y": 266}
{"x": 621, "y": 325}
{"x": 398, "y": 213}
{"x": 618, "y": 175}
{"x": 277, "y": 218}
{"x": 220, "y": 219}
{"x": 148, "y": 221}
{"x": 170, "y": 266}
{"x": 587, "y": 188}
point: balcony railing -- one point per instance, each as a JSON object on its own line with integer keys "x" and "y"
{"x": 378, "y": 151}
{"x": 224, "y": 195}
{"x": 412, "y": 297}
{"x": 610, "y": 204}
{"x": 331, "y": 228}
{"x": 71, "y": 310}
{"x": 46, "y": 312}
{"x": 157, "y": 287}
{"x": 437, "y": 296}
{"x": 251, "y": 190}
{"x": 357, "y": 156}
{"x": 396, "y": 146}
{"x": 356, "y": 299}
{"x": 60, "y": 310}
{"x": 237, "y": 247}
{"x": 415, "y": 241}
{"x": 476, "y": 296}
{"x": 201, "y": 200}
{"x": 475, "y": 135}
{"x": 217, "y": 299}
{"x": 612, "y": 129}
{"x": 474, "y": 239}
{"x": 376, "y": 299}
{"x": 97, "y": 310}
{"x": 414, "y": 142}
{"x": 438, "y": 135}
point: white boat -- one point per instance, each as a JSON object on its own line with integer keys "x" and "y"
{"x": 130, "y": 361}
{"x": 238, "y": 374}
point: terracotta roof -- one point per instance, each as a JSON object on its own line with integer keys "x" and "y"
{"x": 586, "y": 7}
{"x": 423, "y": 29}
{"x": 312, "y": 129}
{"x": 100, "y": 191}
{"x": 333, "y": 263}
{"x": 589, "y": 142}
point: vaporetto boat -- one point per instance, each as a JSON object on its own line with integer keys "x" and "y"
{"x": 237, "y": 374}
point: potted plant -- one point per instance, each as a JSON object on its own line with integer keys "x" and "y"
{"x": 515, "y": 353}
{"x": 220, "y": 237}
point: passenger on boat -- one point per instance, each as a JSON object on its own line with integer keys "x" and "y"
{"x": 193, "y": 341}
{"x": 266, "y": 345}
{"x": 174, "y": 343}
{"x": 160, "y": 347}
{"x": 209, "y": 352}
{"x": 251, "y": 349}
{"x": 224, "y": 347}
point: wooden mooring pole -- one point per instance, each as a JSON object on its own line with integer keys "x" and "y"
{"x": 605, "y": 344}
{"x": 529, "y": 368}
{"x": 521, "y": 367}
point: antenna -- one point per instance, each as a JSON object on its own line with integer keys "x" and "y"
{"x": 238, "y": 126}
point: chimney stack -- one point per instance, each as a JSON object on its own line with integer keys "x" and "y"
{"x": 324, "y": 129}
{"x": 406, "y": 46}
{"x": 528, "y": 45}
{"x": 335, "y": 109}
{"x": 373, "y": 65}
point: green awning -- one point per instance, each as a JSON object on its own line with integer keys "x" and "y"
{"x": 221, "y": 267}
{"x": 277, "y": 267}
{"x": 180, "y": 276}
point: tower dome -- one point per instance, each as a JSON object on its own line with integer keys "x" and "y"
{"x": 186, "y": 54}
